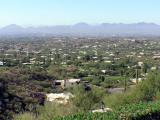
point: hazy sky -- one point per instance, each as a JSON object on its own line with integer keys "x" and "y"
{"x": 55, "y": 12}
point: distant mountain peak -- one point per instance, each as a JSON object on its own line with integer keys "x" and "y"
{"x": 12, "y": 29}
{"x": 13, "y": 26}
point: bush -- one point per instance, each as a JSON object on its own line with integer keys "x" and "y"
{"x": 52, "y": 110}
{"x": 87, "y": 100}
{"x": 90, "y": 116}
{"x": 48, "y": 112}
{"x": 25, "y": 116}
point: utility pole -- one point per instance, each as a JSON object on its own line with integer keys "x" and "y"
{"x": 125, "y": 80}
{"x": 125, "y": 83}
{"x": 136, "y": 76}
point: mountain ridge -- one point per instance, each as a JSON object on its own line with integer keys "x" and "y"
{"x": 83, "y": 28}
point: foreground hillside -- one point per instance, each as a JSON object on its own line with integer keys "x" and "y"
{"x": 140, "y": 111}
{"x": 139, "y": 103}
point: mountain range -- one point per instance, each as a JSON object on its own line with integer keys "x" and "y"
{"x": 103, "y": 29}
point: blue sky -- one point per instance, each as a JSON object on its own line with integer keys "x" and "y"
{"x": 64, "y": 12}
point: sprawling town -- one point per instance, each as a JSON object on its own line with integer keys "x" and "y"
{"x": 49, "y": 69}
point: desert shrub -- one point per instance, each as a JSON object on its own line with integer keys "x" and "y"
{"x": 86, "y": 100}
{"x": 50, "y": 111}
{"x": 25, "y": 116}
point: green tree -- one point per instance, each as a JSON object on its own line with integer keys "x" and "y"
{"x": 87, "y": 100}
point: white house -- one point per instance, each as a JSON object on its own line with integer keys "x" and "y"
{"x": 61, "y": 98}
{"x": 1, "y": 63}
{"x": 66, "y": 83}
{"x": 140, "y": 63}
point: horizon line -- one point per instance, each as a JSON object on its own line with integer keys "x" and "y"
{"x": 92, "y": 24}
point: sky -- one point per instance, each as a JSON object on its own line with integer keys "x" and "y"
{"x": 66, "y": 12}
